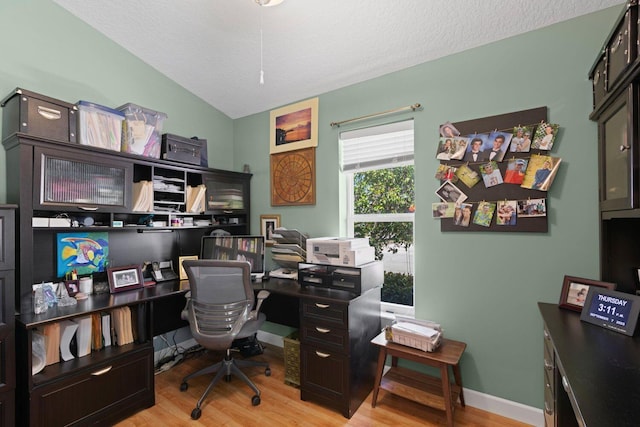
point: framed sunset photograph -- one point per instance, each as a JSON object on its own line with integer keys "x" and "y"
{"x": 294, "y": 127}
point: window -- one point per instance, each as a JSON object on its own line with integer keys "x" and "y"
{"x": 379, "y": 171}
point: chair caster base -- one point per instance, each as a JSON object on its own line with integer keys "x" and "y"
{"x": 184, "y": 387}
{"x": 195, "y": 414}
{"x": 255, "y": 400}
{"x": 267, "y": 372}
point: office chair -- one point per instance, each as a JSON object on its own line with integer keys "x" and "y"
{"x": 219, "y": 311}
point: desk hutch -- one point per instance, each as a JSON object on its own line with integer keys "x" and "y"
{"x": 592, "y": 374}
{"x": 93, "y": 388}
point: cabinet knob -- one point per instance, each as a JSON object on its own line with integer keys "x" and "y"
{"x": 624, "y": 147}
{"x": 548, "y": 366}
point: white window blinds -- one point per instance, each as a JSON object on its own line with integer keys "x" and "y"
{"x": 377, "y": 147}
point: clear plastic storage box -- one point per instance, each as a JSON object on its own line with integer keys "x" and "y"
{"x": 99, "y": 126}
{"x": 142, "y": 130}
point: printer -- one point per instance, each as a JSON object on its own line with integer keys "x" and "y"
{"x": 344, "y": 251}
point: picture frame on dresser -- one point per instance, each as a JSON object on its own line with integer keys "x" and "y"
{"x": 125, "y": 278}
{"x": 575, "y": 290}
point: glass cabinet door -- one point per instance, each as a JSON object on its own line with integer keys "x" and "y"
{"x": 616, "y": 126}
{"x": 71, "y": 180}
{"x": 224, "y": 194}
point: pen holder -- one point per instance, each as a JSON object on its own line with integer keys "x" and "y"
{"x": 86, "y": 285}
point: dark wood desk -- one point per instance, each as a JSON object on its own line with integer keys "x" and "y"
{"x": 337, "y": 363}
{"x": 421, "y": 388}
{"x": 601, "y": 369}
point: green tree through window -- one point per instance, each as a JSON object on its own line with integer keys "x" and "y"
{"x": 383, "y": 206}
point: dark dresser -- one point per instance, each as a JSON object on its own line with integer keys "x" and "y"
{"x": 592, "y": 375}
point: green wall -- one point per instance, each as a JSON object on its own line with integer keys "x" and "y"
{"x": 47, "y": 50}
{"x": 482, "y": 287}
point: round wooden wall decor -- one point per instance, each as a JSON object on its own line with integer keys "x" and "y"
{"x": 293, "y": 178}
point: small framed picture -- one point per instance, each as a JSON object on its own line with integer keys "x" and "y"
{"x": 181, "y": 259}
{"x": 575, "y": 289}
{"x": 124, "y": 278}
{"x": 72, "y": 287}
{"x": 268, "y": 224}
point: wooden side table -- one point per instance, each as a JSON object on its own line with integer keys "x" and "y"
{"x": 422, "y": 388}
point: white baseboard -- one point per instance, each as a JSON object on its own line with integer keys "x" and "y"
{"x": 506, "y": 408}
{"x": 486, "y": 402}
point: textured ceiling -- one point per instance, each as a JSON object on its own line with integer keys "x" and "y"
{"x": 212, "y": 47}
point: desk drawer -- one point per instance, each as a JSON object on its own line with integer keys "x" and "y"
{"x": 327, "y": 336}
{"x": 331, "y": 312}
{"x": 324, "y": 372}
{"x": 107, "y": 390}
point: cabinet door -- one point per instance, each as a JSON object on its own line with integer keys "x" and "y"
{"x": 618, "y": 158}
{"x": 86, "y": 182}
{"x": 227, "y": 198}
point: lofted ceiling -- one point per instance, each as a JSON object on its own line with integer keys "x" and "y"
{"x": 212, "y": 48}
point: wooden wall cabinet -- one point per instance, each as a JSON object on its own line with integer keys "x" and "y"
{"x": 615, "y": 77}
{"x": 93, "y": 188}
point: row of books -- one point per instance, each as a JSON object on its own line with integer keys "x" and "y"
{"x": 68, "y": 339}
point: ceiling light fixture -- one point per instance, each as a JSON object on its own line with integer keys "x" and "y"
{"x": 264, "y": 3}
{"x": 269, "y": 3}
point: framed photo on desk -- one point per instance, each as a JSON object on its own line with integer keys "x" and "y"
{"x": 575, "y": 290}
{"x": 124, "y": 278}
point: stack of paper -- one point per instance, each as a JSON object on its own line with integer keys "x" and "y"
{"x": 143, "y": 196}
{"x": 121, "y": 318}
{"x": 83, "y": 335}
{"x": 51, "y": 333}
{"x": 289, "y": 248}
{"x": 195, "y": 199}
{"x": 67, "y": 331}
{"x": 96, "y": 331}
{"x": 106, "y": 329}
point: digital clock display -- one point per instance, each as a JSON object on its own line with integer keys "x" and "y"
{"x": 612, "y": 310}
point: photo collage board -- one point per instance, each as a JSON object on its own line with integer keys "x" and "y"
{"x": 495, "y": 172}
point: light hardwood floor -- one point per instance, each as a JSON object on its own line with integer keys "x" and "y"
{"x": 229, "y": 404}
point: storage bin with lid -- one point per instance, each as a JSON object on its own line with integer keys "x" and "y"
{"x": 142, "y": 130}
{"x": 99, "y": 126}
{"x": 38, "y": 115}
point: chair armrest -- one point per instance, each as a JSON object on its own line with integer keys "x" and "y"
{"x": 262, "y": 295}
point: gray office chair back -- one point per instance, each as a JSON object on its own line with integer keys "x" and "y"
{"x": 221, "y": 300}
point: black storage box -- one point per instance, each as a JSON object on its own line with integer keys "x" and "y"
{"x": 181, "y": 149}
{"x": 38, "y": 115}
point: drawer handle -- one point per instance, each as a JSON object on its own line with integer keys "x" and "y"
{"x": 596, "y": 78}
{"x": 49, "y": 113}
{"x": 322, "y": 305}
{"x": 547, "y": 409}
{"x": 624, "y": 148}
{"x": 617, "y": 45}
{"x": 548, "y": 366}
{"x": 88, "y": 208}
{"x": 546, "y": 334}
{"x": 323, "y": 330}
{"x": 565, "y": 385}
{"x": 323, "y": 355}
{"x": 101, "y": 371}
